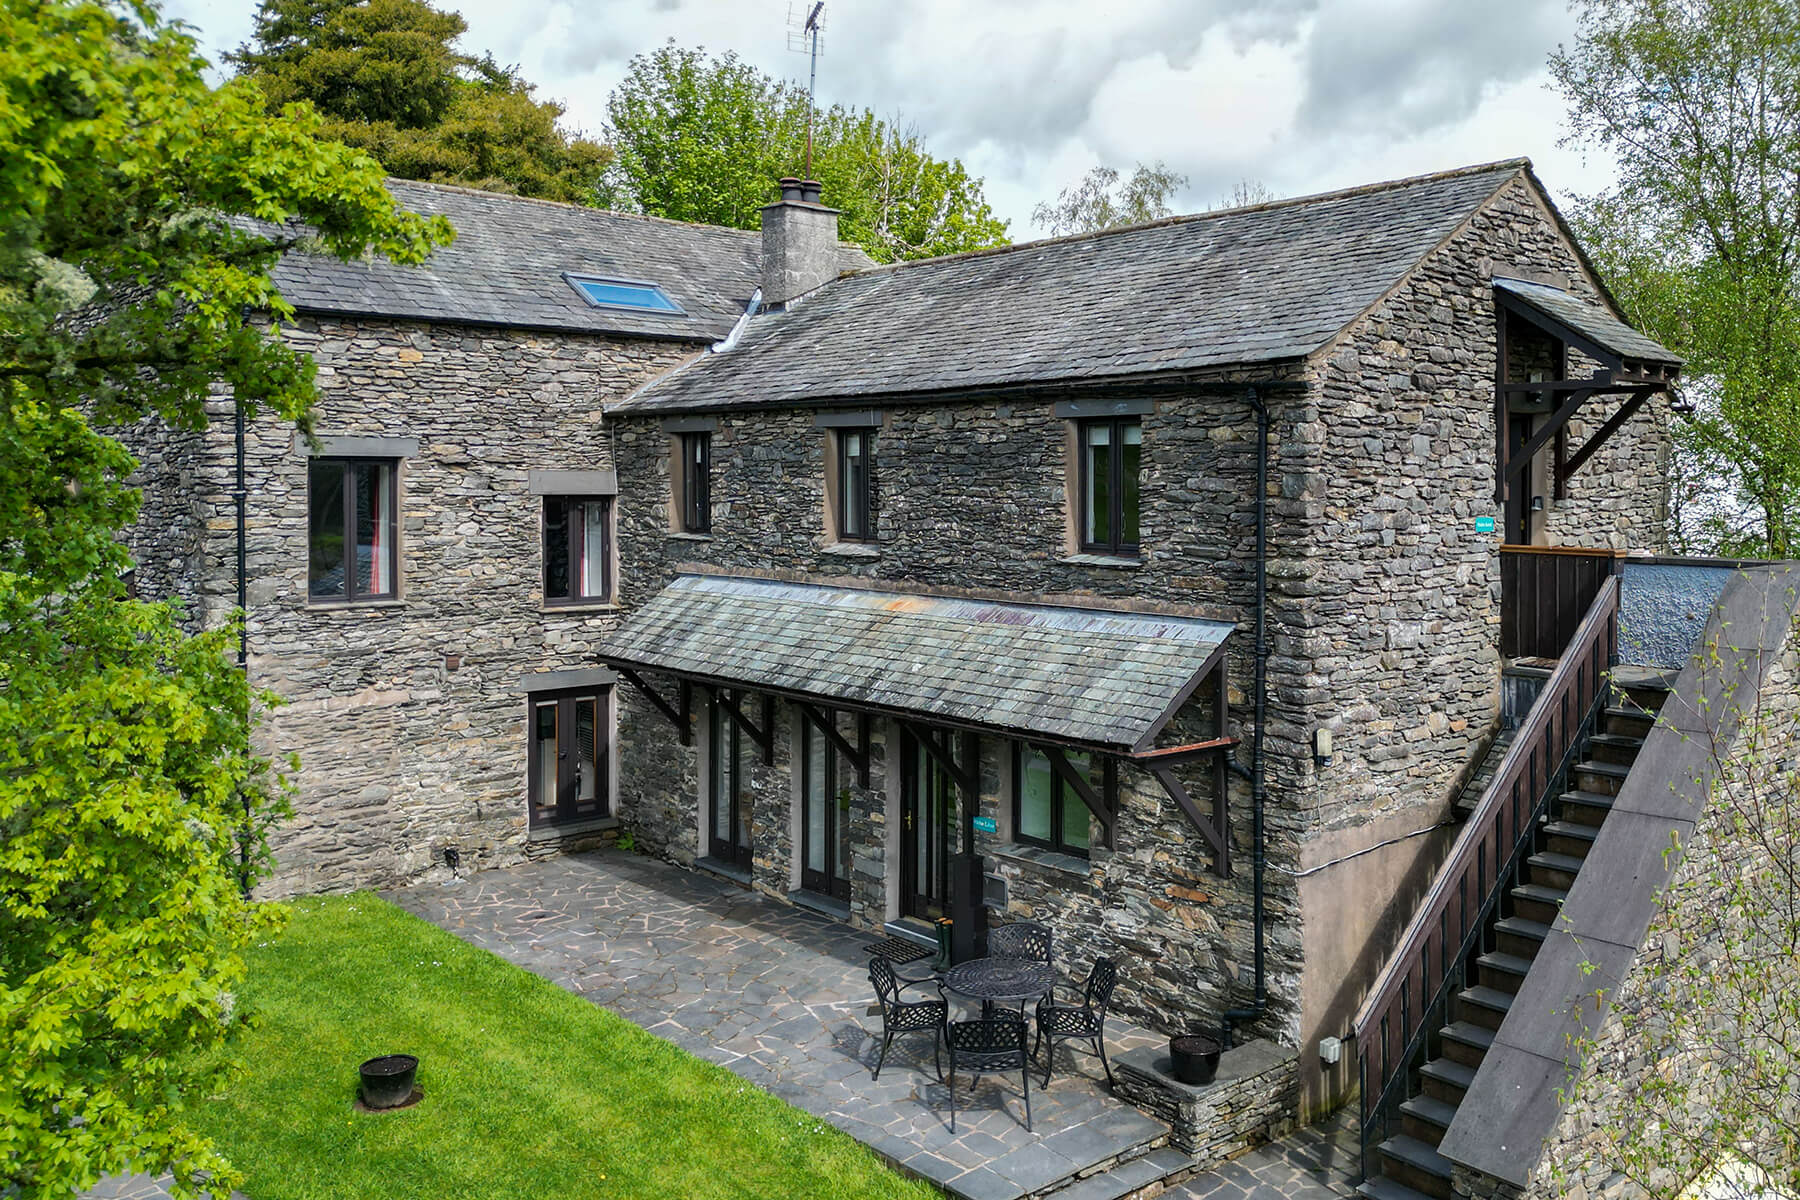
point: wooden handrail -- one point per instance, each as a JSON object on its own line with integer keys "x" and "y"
{"x": 1426, "y": 955}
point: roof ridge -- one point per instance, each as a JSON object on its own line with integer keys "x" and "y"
{"x": 462, "y": 190}
{"x": 1497, "y": 165}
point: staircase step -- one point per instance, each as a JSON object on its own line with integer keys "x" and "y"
{"x": 1482, "y": 1005}
{"x": 1518, "y": 936}
{"x": 1632, "y": 722}
{"x": 1606, "y": 778}
{"x": 1417, "y": 1165}
{"x": 1123, "y": 1179}
{"x": 1426, "y": 1118}
{"x": 1614, "y": 748}
{"x": 1535, "y": 902}
{"x": 1380, "y": 1187}
{"x": 1446, "y": 1080}
{"x": 1586, "y": 808}
{"x": 1571, "y": 838}
{"x": 1554, "y": 870}
{"x": 1503, "y": 972}
{"x": 1466, "y": 1042}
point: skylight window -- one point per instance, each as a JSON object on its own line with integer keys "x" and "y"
{"x": 624, "y": 293}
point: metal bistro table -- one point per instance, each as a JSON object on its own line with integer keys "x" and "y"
{"x": 1000, "y": 980}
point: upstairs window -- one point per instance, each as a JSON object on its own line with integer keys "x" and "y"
{"x": 855, "y": 510}
{"x": 577, "y": 551}
{"x": 1109, "y": 452}
{"x": 351, "y": 529}
{"x": 693, "y": 482}
{"x": 631, "y": 294}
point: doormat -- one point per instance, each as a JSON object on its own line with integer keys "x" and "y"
{"x": 899, "y": 950}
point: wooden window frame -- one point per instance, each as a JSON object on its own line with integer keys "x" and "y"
{"x": 693, "y": 482}
{"x": 542, "y": 815}
{"x": 1060, "y": 794}
{"x": 854, "y": 501}
{"x": 1118, "y": 546}
{"x": 827, "y": 882}
{"x": 351, "y": 465}
{"x": 576, "y": 534}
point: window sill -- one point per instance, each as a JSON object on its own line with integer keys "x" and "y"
{"x": 682, "y": 535}
{"x": 606, "y": 606}
{"x": 850, "y": 550}
{"x": 351, "y": 605}
{"x": 1042, "y": 859}
{"x": 555, "y": 833}
{"x": 1114, "y": 561}
{"x": 725, "y": 870}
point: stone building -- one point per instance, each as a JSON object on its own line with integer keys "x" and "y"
{"x": 1169, "y": 585}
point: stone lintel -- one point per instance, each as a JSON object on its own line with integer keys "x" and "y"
{"x": 1074, "y": 410}
{"x": 858, "y": 419}
{"x": 690, "y": 424}
{"x": 348, "y": 445}
{"x": 558, "y": 681}
{"x": 574, "y": 483}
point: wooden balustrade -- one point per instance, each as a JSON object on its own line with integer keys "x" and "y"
{"x": 1544, "y": 592}
{"x": 1446, "y": 929}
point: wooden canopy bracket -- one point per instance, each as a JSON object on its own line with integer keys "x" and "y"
{"x": 944, "y": 758}
{"x": 1059, "y": 762}
{"x": 858, "y": 755}
{"x": 1612, "y": 426}
{"x": 763, "y": 737}
{"x": 1215, "y": 829}
{"x": 681, "y": 718}
{"x": 1521, "y": 459}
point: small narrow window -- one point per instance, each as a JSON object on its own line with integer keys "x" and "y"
{"x": 1110, "y": 451}
{"x": 577, "y": 565}
{"x": 855, "y": 485}
{"x": 568, "y": 765}
{"x": 351, "y": 529}
{"x": 1047, "y": 811}
{"x": 693, "y": 481}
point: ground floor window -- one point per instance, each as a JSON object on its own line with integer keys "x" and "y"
{"x": 569, "y": 774}
{"x": 824, "y": 813}
{"x": 1047, "y": 810}
{"x": 728, "y": 783}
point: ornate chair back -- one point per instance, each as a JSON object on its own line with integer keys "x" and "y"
{"x": 887, "y": 988}
{"x": 1100, "y": 983}
{"x": 1021, "y": 939}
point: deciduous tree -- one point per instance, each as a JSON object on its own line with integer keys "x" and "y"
{"x": 140, "y": 213}
{"x": 1101, "y": 200}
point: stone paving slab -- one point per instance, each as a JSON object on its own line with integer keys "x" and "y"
{"x": 1315, "y": 1163}
{"x": 781, "y": 997}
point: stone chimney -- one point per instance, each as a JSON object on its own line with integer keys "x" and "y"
{"x": 800, "y": 243}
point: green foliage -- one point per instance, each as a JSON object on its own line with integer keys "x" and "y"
{"x": 386, "y": 77}
{"x": 530, "y": 1091}
{"x": 704, "y": 139}
{"x": 1100, "y": 201}
{"x": 1699, "y": 102}
{"x": 128, "y": 789}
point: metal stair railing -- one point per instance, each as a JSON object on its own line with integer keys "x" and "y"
{"x": 1410, "y": 999}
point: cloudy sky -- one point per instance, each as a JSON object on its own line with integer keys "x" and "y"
{"x": 1299, "y": 95}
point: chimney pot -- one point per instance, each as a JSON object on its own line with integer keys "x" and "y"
{"x": 794, "y": 189}
{"x": 809, "y": 191}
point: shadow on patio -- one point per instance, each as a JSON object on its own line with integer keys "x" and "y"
{"x": 781, "y": 997}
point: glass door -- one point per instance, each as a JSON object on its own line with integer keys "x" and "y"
{"x": 568, "y": 768}
{"x": 928, "y": 821}
{"x": 824, "y": 816}
{"x": 728, "y": 796}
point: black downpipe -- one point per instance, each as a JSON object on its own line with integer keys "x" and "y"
{"x": 241, "y": 496}
{"x": 1258, "y": 790}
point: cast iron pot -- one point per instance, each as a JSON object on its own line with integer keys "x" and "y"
{"x": 387, "y": 1082}
{"x": 1195, "y": 1057}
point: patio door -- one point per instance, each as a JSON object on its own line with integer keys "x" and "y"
{"x": 824, "y": 816}
{"x": 927, "y": 829}
{"x": 568, "y": 769}
{"x": 728, "y": 787}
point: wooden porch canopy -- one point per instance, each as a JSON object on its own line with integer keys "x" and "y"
{"x": 1632, "y": 366}
{"x": 1059, "y": 678}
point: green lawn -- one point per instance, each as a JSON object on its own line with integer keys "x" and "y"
{"x": 529, "y": 1091}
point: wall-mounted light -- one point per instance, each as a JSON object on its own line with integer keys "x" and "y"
{"x": 1537, "y": 504}
{"x": 452, "y": 857}
{"x": 1321, "y": 746}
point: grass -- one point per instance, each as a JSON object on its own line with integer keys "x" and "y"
{"x": 529, "y": 1091}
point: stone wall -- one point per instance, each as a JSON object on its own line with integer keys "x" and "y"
{"x": 1250, "y": 1101}
{"x": 175, "y": 471}
{"x": 409, "y": 716}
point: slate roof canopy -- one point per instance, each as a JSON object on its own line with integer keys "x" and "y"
{"x": 506, "y": 268}
{"x": 1590, "y": 320}
{"x": 1265, "y": 284}
{"x": 1101, "y": 679}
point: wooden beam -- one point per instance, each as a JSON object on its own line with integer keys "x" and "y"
{"x": 764, "y": 737}
{"x": 1060, "y": 763}
{"x": 1192, "y": 750}
{"x": 1606, "y": 431}
{"x": 1518, "y": 461}
{"x": 857, "y": 757}
{"x": 1213, "y": 829}
{"x": 677, "y": 717}
{"x": 1550, "y": 387}
{"x": 943, "y": 757}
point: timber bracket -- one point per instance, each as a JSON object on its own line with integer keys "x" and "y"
{"x": 680, "y": 712}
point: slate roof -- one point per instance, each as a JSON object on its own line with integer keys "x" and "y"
{"x": 1589, "y": 319}
{"x": 1076, "y": 675}
{"x": 1251, "y": 285}
{"x": 506, "y": 266}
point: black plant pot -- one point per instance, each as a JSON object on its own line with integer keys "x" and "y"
{"x": 387, "y": 1082}
{"x": 1195, "y": 1058}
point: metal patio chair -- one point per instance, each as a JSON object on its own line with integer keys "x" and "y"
{"x": 900, "y": 1017}
{"x": 984, "y": 1047}
{"x": 1021, "y": 939}
{"x": 1084, "y": 1022}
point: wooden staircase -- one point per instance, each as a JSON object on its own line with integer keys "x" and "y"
{"x": 1407, "y": 1165}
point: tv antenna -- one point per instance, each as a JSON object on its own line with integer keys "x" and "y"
{"x": 806, "y": 25}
